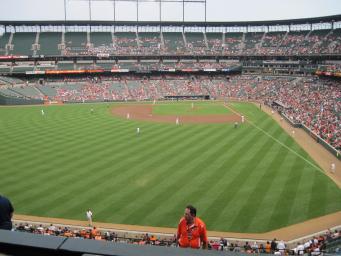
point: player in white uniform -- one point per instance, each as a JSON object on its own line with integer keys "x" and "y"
{"x": 332, "y": 167}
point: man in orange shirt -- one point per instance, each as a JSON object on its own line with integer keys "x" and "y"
{"x": 192, "y": 230}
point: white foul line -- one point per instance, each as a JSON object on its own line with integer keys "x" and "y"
{"x": 269, "y": 135}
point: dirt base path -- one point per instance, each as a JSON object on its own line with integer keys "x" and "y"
{"x": 315, "y": 150}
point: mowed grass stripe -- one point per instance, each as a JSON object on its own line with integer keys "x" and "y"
{"x": 201, "y": 182}
{"x": 90, "y": 168}
{"x": 165, "y": 169}
{"x": 288, "y": 195}
{"x": 187, "y": 185}
{"x": 39, "y": 141}
{"x": 271, "y": 188}
{"x": 283, "y": 205}
{"x": 136, "y": 167}
{"x": 172, "y": 167}
{"x": 291, "y": 184}
{"x": 230, "y": 194}
{"x": 56, "y": 155}
{"x": 197, "y": 193}
{"x": 296, "y": 149}
{"x": 159, "y": 194}
{"x": 235, "y": 154}
{"x": 259, "y": 186}
{"x": 90, "y": 148}
{"x": 318, "y": 193}
{"x": 274, "y": 194}
{"x": 47, "y": 146}
{"x": 137, "y": 149}
{"x": 160, "y": 163}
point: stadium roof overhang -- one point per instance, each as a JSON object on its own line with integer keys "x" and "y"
{"x": 325, "y": 19}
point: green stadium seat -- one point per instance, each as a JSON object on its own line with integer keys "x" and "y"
{"x": 214, "y": 41}
{"x": 22, "y": 43}
{"x": 5, "y": 69}
{"x": 65, "y": 66}
{"x": 125, "y": 39}
{"x": 49, "y": 43}
{"x": 232, "y": 42}
{"x": 174, "y": 42}
{"x": 3, "y": 41}
{"x": 49, "y": 91}
{"x": 22, "y": 69}
{"x": 28, "y": 91}
{"x": 101, "y": 39}
{"x": 76, "y": 42}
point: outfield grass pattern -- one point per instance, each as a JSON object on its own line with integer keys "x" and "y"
{"x": 241, "y": 180}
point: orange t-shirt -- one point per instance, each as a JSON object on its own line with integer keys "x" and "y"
{"x": 192, "y": 235}
{"x": 93, "y": 233}
{"x": 268, "y": 248}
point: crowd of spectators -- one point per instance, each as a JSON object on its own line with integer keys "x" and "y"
{"x": 314, "y": 103}
{"x": 232, "y": 45}
{"x": 149, "y": 45}
{"x": 144, "y": 66}
{"x": 313, "y": 246}
{"x": 214, "y": 45}
{"x": 260, "y": 43}
{"x": 330, "y": 68}
{"x": 301, "y": 43}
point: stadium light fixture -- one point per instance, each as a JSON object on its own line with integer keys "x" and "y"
{"x": 143, "y": 1}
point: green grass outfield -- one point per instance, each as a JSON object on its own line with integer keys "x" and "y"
{"x": 241, "y": 180}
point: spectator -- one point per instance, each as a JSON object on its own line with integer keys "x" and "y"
{"x": 6, "y": 213}
{"x": 192, "y": 230}
{"x": 273, "y": 245}
{"x": 281, "y": 247}
{"x": 268, "y": 247}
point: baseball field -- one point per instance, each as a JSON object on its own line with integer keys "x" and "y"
{"x": 250, "y": 178}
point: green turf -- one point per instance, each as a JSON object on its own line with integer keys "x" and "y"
{"x": 240, "y": 179}
{"x": 186, "y": 108}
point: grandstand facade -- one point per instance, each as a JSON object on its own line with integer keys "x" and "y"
{"x": 288, "y": 46}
